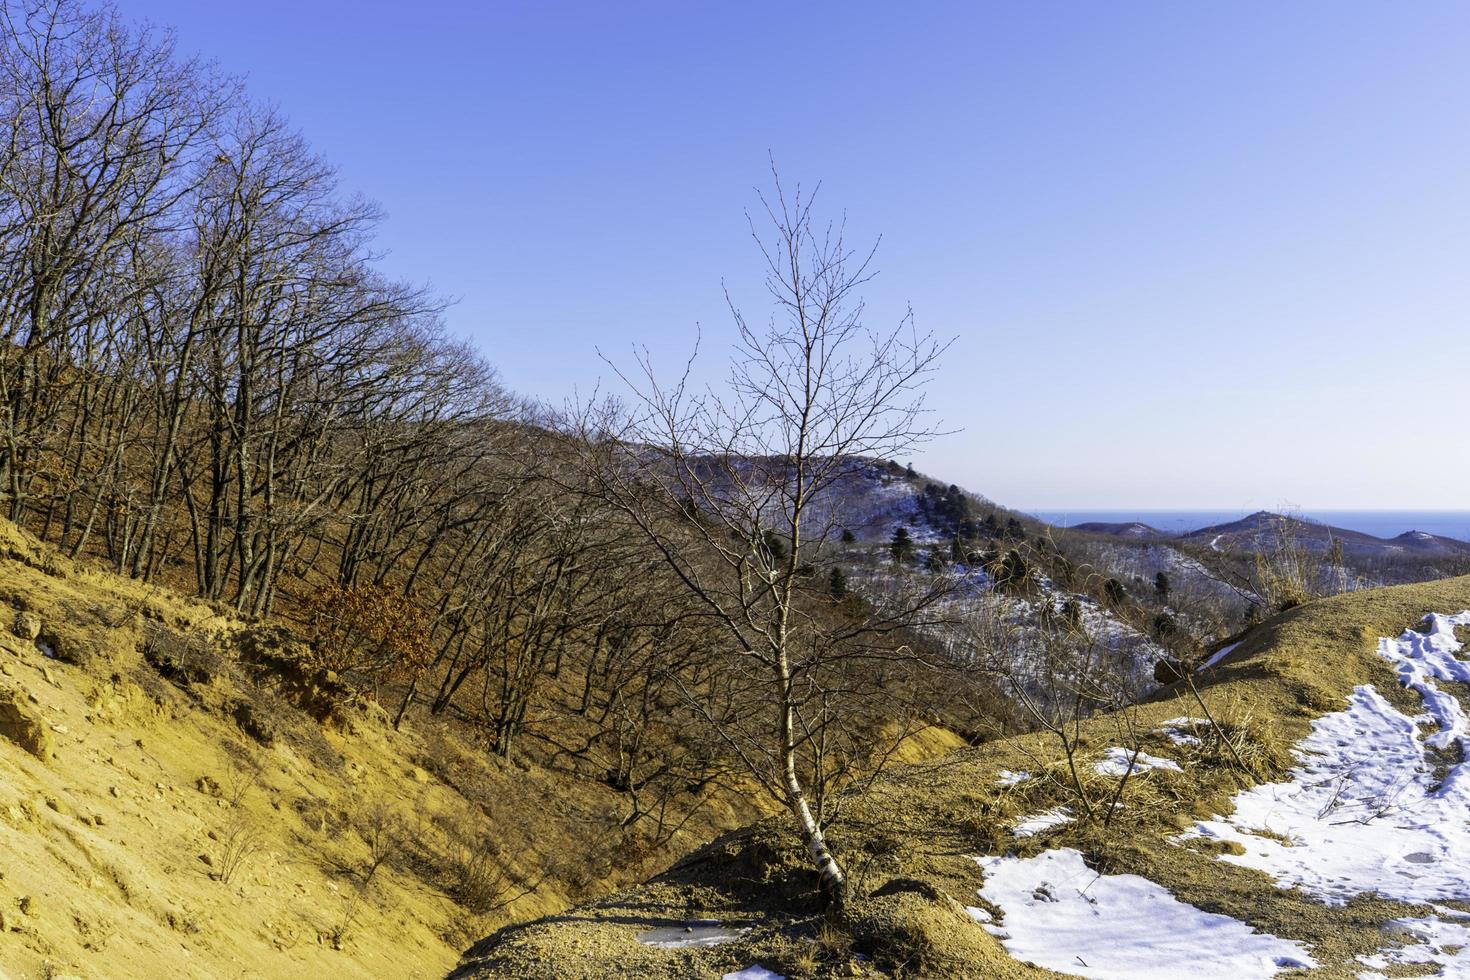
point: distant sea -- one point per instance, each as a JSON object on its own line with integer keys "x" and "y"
{"x": 1379, "y": 523}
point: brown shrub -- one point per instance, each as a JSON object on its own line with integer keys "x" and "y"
{"x": 371, "y": 633}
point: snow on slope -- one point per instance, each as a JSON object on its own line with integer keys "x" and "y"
{"x": 1046, "y": 820}
{"x": 1118, "y": 761}
{"x": 1428, "y": 941}
{"x": 1369, "y": 808}
{"x": 1062, "y": 915}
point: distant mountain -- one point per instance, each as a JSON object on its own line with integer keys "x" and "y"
{"x": 1263, "y": 530}
{"x": 1132, "y": 529}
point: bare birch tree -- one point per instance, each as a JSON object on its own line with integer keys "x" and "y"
{"x": 731, "y": 489}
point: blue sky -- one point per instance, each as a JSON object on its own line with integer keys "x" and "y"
{"x": 1195, "y": 255}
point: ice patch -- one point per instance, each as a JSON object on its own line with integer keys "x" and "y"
{"x": 1118, "y": 761}
{"x": 1055, "y": 817}
{"x": 753, "y": 973}
{"x": 1007, "y": 778}
{"x": 697, "y": 932}
{"x": 1430, "y": 941}
{"x": 1218, "y": 656}
{"x": 1368, "y": 808}
{"x": 1062, "y": 915}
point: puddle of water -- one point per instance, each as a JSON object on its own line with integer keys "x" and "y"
{"x": 698, "y": 932}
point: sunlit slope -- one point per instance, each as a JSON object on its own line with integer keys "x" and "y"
{"x": 1070, "y": 895}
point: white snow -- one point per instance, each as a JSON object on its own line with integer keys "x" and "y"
{"x": 1061, "y": 915}
{"x": 1175, "y": 730}
{"x": 1429, "y": 942}
{"x": 697, "y": 932}
{"x": 1218, "y": 656}
{"x": 1046, "y": 820}
{"x": 1118, "y": 761}
{"x": 1367, "y": 808}
{"x": 1008, "y": 778}
{"x": 753, "y": 973}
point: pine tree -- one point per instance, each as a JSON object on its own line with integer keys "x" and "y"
{"x": 902, "y": 545}
{"x": 837, "y": 584}
{"x": 1161, "y": 586}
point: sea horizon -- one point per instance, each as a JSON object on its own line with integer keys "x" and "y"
{"x": 1384, "y": 523}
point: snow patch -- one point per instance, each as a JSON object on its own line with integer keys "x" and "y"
{"x": 1369, "y": 808}
{"x": 1118, "y": 761}
{"x": 1430, "y": 941}
{"x": 1061, "y": 915}
{"x": 1008, "y": 778}
{"x": 753, "y": 973}
{"x": 1217, "y": 656}
{"x": 1031, "y": 826}
{"x": 1179, "y": 731}
{"x": 697, "y": 932}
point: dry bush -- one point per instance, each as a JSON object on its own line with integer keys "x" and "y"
{"x": 480, "y": 877}
{"x": 384, "y": 832}
{"x": 239, "y": 847}
{"x": 477, "y": 872}
{"x": 242, "y": 774}
{"x": 369, "y": 633}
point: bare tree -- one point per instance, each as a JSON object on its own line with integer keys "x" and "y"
{"x": 728, "y": 487}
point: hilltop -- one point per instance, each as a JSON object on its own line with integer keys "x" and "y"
{"x": 1260, "y": 531}
{"x": 984, "y": 861}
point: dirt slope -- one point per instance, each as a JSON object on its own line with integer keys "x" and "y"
{"x": 180, "y": 818}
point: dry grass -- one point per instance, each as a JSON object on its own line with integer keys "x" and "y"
{"x": 908, "y": 842}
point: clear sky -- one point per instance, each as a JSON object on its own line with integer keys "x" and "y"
{"x": 1195, "y": 255}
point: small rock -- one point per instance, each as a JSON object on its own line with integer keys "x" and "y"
{"x": 98, "y": 820}
{"x": 26, "y": 625}
{"x": 419, "y": 775}
{"x": 207, "y": 860}
{"x": 23, "y": 726}
{"x": 60, "y": 729}
{"x": 50, "y": 676}
{"x": 27, "y": 906}
{"x": 115, "y": 791}
{"x": 58, "y": 806}
{"x": 209, "y": 786}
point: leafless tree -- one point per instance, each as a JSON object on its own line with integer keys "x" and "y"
{"x": 728, "y": 489}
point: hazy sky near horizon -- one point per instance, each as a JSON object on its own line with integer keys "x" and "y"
{"x": 1194, "y": 255}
